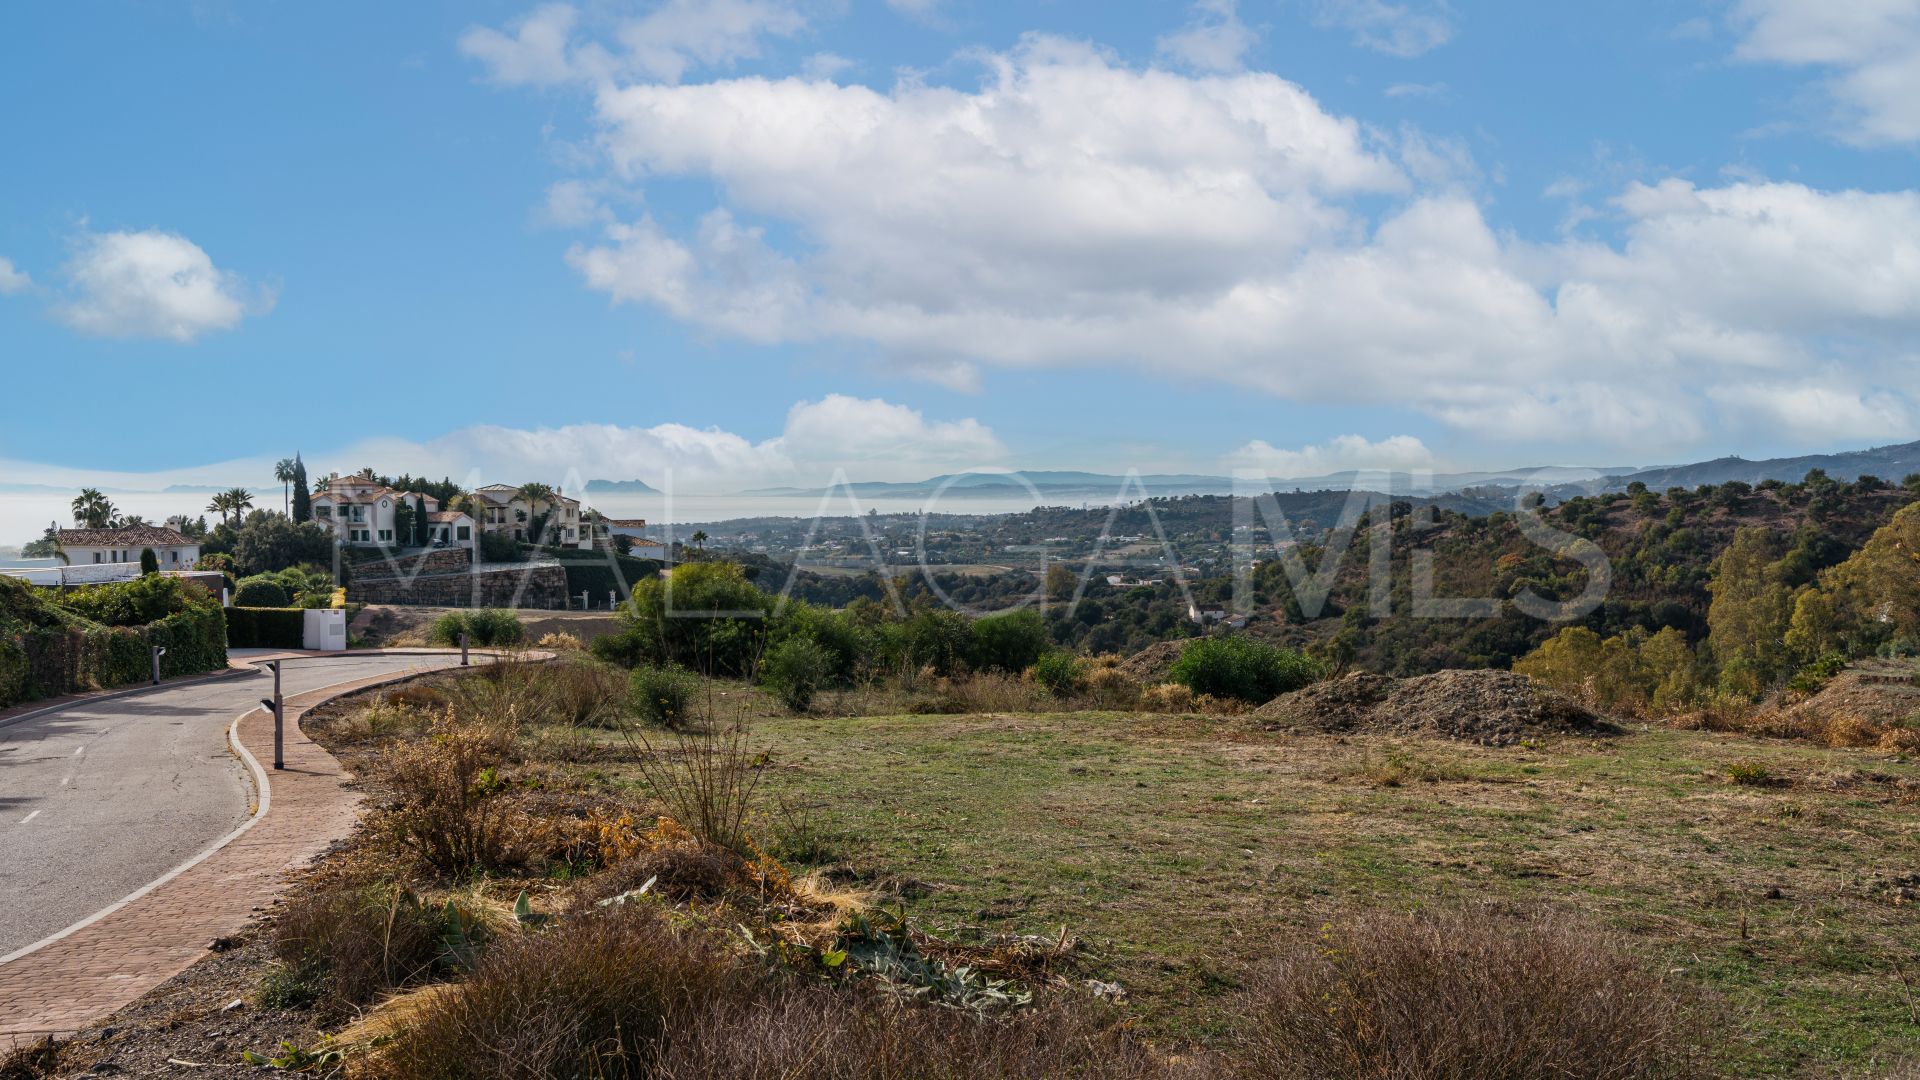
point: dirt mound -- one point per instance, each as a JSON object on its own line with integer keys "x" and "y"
{"x": 1151, "y": 664}
{"x": 1493, "y": 708}
{"x": 1877, "y": 693}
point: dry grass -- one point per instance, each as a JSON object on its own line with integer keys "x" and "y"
{"x": 352, "y": 943}
{"x": 1472, "y": 996}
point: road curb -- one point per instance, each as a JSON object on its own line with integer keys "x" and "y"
{"x": 112, "y": 957}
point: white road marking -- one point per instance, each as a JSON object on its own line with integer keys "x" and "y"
{"x": 78, "y": 750}
{"x": 29, "y": 817}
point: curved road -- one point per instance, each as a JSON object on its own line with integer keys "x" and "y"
{"x": 99, "y": 798}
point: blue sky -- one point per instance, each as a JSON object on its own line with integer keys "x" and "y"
{"x": 752, "y": 241}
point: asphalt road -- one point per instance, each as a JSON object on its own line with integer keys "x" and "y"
{"x": 98, "y": 799}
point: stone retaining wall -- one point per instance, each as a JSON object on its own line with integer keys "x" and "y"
{"x": 403, "y": 565}
{"x": 522, "y": 586}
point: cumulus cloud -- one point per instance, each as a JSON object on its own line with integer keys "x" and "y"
{"x": 1072, "y": 210}
{"x": 152, "y": 284}
{"x": 1872, "y": 48}
{"x": 544, "y": 47}
{"x": 1403, "y": 30}
{"x": 870, "y": 438}
{"x": 1215, "y": 40}
{"x": 1343, "y": 453}
{"x": 12, "y": 280}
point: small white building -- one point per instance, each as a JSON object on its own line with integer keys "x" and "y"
{"x": 84, "y": 547}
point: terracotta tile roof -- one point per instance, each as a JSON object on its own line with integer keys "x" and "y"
{"x": 132, "y": 536}
{"x": 626, "y": 523}
{"x": 446, "y": 515}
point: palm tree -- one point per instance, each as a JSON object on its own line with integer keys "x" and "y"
{"x": 699, "y": 539}
{"x": 536, "y": 494}
{"x": 283, "y": 471}
{"x": 92, "y": 510}
{"x": 230, "y": 504}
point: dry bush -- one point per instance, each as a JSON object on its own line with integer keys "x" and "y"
{"x": 1167, "y": 698}
{"x": 354, "y": 942}
{"x": 448, "y": 811}
{"x": 824, "y": 1034}
{"x": 706, "y": 779}
{"x": 559, "y": 641}
{"x": 592, "y": 997}
{"x": 503, "y": 696}
{"x": 1463, "y": 995}
{"x": 989, "y": 691}
{"x": 1109, "y": 685}
{"x": 619, "y": 992}
{"x": 587, "y": 693}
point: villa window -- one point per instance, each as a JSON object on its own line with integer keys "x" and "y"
{"x": 466, "y": 533}
{"x": 386, "y": 535}
{"x": 96, "y": 556}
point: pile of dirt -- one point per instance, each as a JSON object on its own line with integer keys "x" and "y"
{"x": 1877, "y": 693}
{"x": 1151, "y": 664}
{"x": 1492, "y": 708}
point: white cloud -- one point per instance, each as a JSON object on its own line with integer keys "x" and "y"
{"x": 1215, "y": 39}
{"x": 1416, "y": 90}
{"x": 824, "y": 65}
{"x": 1072, "y": 211}
{"x": 1820, "y": 411}
{"x": 12, "y": 280}
{"x": 152, "y": 284}
{"x": 670, "y": 39}
{"x": 870, "y": 438}
{"x": 1872, "y": 47}
{"x": 572, "y": 204}
{"x": 1404, "y": 30}
{"x": 1396, "y": 453}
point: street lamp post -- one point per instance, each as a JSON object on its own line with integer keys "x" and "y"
{"x": 277, "y": 706}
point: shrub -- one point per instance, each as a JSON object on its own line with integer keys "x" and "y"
{"x": 708, "y": 782}
{"x": 1240, "y": 667}
{"x": 592, "y": 997}
{"x": 662, "y": 694}
{"x": 149, "y": 561}
{"x": 1167, "y": 697}
{"x": 1461, "y": 995}
{"x": 350, "y": 944}
{"x": 587, "y": 693}
{"x": 1062, "y": 673}
{"x": 1009, "y": 642}
{"x": 261, "y": 592}
{"x": 794, "y": 670}
{"x": 446, "y": 787}
{"x": 1750, "y": 773}
{"x": 707, "y": 617}
{"x": 492, "y": 627}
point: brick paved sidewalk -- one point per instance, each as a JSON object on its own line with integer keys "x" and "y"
{"x": 95, "y": 970}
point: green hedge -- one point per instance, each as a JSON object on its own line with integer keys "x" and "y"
{"x": 46, "y": 661}
{"x": 266, "y": 628}
{"x": 596, "y": 576}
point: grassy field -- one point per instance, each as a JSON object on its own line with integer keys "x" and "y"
{"x": 1175, "y": 848}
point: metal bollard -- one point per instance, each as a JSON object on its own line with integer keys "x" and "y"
{"x": 463, "y": 648}
{"x": 158, "y": 652}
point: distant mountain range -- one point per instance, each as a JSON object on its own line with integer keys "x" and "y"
{"x": 1887, "y": 462}
{"x": 622, "y": 487}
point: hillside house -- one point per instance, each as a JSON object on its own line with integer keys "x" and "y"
{"x": 362, "y": 513}
{"x": 501, "y": 508}
{"x": 104, "y": 546}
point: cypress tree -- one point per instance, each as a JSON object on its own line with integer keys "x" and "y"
{"x": 422, "y": 528}
{"x": 302, "y": 501}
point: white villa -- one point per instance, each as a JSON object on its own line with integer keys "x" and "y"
{"x": 503, "y": 509}
{"x": 361, "y": 512}
{"x": 89, "y": 546}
